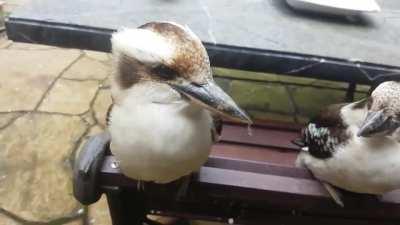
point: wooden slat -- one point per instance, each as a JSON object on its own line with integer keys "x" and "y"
{"x": 259, "y": 173}
{"x": 255, "y": 153}
{"x": 261, "y": 191}
{"x": 270, "y": 124}
{"x": 280, "y": 179}
{"x": 280, "y": 219}
{"x": 257, "y": 181}
{"x": 259, "y": 135}
{"x": 257, "y": 167}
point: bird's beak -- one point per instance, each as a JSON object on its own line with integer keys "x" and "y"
{"x": 375, "y": 123}
{"x": 212, "y": 97}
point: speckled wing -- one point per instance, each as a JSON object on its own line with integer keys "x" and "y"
{"x": 325, "y": 132}
{"x": 320, "y": 141}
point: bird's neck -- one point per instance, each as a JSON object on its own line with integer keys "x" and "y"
{"x": 353, "y": 114}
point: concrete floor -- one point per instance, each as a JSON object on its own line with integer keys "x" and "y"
{"x": 51, "y": 100}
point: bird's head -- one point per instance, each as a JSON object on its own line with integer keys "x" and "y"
{"x": 383, "y": 116}
{"x": 330, "y": 128}
{"x": 172, "y": 54}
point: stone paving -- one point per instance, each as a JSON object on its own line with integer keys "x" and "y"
{"x": 53, "y": 98}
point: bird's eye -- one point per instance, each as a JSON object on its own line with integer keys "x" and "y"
{"x": 164, "y": 72}
{"x": 196, "y": 84}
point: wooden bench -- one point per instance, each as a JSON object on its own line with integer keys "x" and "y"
{"x": 247, "y": 179}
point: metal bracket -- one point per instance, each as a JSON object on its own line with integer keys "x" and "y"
{"x": 87, "y": 168}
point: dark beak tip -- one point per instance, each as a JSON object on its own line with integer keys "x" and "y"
{"x": 245, "y": 118}
{"x": 374, "y": 122}
{"x": 360, "y": 134}
{"x": 365, "y": 129}
{"x": 240, "y": 119}
{"x": 211, "y": 96}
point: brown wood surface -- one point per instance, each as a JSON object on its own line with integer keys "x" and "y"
{"x": 265, "y": 136}
{"x": 255, "y": 176}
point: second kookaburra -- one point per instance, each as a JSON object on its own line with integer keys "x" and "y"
{"x": 163, "y": 92}
{"x": 383, "y": 116}
{"x": 336, "y": 155}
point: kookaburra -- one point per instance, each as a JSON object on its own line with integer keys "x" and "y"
{"x": 164, "y": 95}
{"x": 383, "y": 117}
{"x": 336, "y": 155}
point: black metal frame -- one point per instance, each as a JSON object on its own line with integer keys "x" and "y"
{"x": 260, "y": 60}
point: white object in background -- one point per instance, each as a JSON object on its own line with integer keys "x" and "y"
{"x": 337, "y": 7}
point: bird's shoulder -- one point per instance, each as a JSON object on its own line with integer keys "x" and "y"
{"x": 329, "y": 117}
{"x": 325, "y": 132}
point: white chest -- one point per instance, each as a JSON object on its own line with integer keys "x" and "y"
{"x": 364, "y": 166}
{"x": 159, "y": 142}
